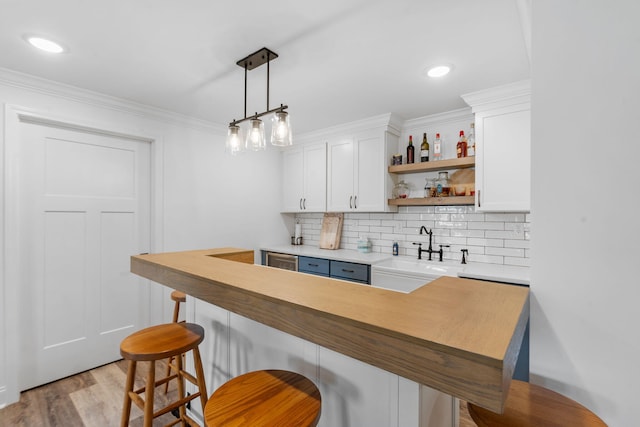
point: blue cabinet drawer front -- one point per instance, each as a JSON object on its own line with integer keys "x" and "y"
{"x": 313, "y": 265}
{"x": 350, "y": 271}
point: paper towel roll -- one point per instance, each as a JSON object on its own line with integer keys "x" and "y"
{"x": 298, "y": 232}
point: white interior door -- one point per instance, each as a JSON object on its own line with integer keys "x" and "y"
{"x": 84, "y": 210}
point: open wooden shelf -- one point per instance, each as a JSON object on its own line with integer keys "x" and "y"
{"x": 433, "y": 201}
{"x": 457, "y": 163}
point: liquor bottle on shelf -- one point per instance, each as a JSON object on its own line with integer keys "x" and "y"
{"x": 410, "y": 150}
{"x": 471, "y": 140}
{"x": 424, "y": 149}
{"x": 437, "y": 148}
{"x": 461, "y": 147}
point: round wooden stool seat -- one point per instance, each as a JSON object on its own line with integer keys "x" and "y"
{"x": 178, "y": 296}
{"x": 155, "y": 343}
{"x": 161, "y": 341}
{"x": 529, "y": 405}
{"x": 265, "y": 398}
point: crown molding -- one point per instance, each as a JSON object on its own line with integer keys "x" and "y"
{"x": 453, "y": 116}
{"x": 496, "y": 97}
{"x": 42, "y": 86}
{"x": 390, "y": 122}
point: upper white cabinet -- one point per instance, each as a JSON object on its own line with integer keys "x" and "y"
{"x": 305, "y": 178}
{"x": 503, "y": 147}
{"x": 357, "y": 178}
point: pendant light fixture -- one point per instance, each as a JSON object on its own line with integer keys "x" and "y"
{"x": 281, "y": 127}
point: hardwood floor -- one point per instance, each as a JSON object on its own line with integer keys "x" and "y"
{"x": 94, "y": 399}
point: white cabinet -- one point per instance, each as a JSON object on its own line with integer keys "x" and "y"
{"x": 254, "y": 346}
{"x": 356, "y": 394}
{"x": 503, "y": 147}
{"x": 357, "y": 177}
{"x": 305, "y": 179}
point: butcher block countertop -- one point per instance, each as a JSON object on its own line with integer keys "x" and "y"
{"x": 459, "y": 336}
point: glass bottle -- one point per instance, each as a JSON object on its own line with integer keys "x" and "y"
{"x": 437, "y": 148}
{"x": 443, "y": 188}
{"x": 424, "y": 149}
{"x": 410, "y": 150}
{"x": 430, "y": 187}
{"x": 461, "y": 146}
{"x": 471, "y": 140}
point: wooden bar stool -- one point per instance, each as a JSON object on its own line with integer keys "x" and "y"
{"x": 529, "y": 405}
{"x": 178, "y": 297}
{"x": 157, "y": 343}
{"x": 265, "y": 398}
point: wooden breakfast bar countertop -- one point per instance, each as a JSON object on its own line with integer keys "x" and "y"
{"x": 459, "y": 336}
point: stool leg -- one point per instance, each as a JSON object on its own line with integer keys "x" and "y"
{"x": 148, "y": 396}
{"x": 126, "y": 407}
{"x": 176, "y": 312}
{"x": 202, "y": 386}
{"x": 181, "y": 392}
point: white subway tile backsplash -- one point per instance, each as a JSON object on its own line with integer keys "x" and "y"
{"x": 494, "y": 238}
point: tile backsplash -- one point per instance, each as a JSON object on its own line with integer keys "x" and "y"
{"x": 493, "y": 238}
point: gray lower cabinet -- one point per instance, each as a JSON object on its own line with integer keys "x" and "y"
{"x": 351, "y": 271}
{"x": 317, "y": 266}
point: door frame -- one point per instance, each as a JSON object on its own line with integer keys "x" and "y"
{"x": 14, "y": 117}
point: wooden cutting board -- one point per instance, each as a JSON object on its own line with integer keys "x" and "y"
{"x": 331, "y": 230}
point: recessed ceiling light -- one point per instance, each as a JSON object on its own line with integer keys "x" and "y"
{"x": 438, "y": 71}
{"x": 44, "y": 44}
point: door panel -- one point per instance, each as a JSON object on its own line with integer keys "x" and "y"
{"x": 84, "y": 209}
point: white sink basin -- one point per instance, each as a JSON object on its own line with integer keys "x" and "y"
{"x": 405, "y": 274}
{"x": 416, "y": 266}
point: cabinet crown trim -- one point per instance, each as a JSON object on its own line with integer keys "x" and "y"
{"x": 510, "y": 94}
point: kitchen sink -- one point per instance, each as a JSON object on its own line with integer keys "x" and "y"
{"x": 420, "y": 266}
{"x": 404, "y": 274}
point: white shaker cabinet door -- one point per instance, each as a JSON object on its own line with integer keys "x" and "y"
{"x": 340, "y": 175}
{"x": 315, "y": 178}
{"x": 304, "y": 179}
{"x": 503, "y": 160}
{"x": 292, "y": 180}
{"x": 370, "y": 195}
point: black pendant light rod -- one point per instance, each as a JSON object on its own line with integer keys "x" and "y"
{"x": 256, "y": 59}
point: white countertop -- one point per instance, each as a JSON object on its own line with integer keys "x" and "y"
{"x": 497, "y": 273}
{"x": 492, "y": 272}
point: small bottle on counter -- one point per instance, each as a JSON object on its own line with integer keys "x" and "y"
{"x": 395, "y": 248}
{"x": 461, "y": 147}
{"x": 437, "y": 148}
{"x": 410, "y": 150}
{"x": 424, "y": 149}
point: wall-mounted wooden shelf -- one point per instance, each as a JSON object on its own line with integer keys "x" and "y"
{"x": 433, "y": 201}
{"x": 457, "y": 163}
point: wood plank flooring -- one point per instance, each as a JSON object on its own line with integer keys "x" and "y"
{"x": 94, "y": 399}
{"x": 91, "y": 399}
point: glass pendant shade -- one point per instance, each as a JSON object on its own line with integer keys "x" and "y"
{"x": 234, "y": 144}
{"x": 281, "y": 130}
{"x": 255, "y": 137}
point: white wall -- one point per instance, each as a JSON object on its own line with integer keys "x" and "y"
{"x": 208, "y": 199}
{"x": 585, "y": 339}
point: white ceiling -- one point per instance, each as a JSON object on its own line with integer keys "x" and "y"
{"x": 339, "y": 60}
